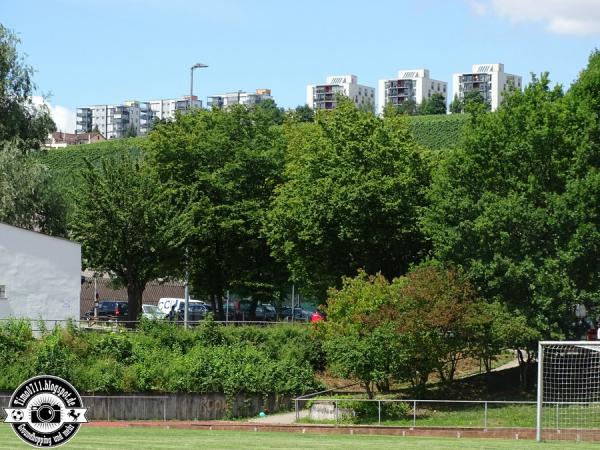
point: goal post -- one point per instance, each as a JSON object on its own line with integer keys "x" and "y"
{"x": 568, "y": 390}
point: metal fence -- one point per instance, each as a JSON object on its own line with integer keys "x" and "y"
{"x": 417, "y": 413}
{"x": 39, "y": 325}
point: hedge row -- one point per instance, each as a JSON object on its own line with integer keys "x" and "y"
{"x": 161, "y": 357}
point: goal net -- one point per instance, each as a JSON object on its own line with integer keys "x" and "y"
{"x": 568, "y": 397}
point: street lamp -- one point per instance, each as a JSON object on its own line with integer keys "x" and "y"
{"x": 195, "y": 66}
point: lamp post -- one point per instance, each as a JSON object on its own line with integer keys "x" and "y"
{"x": 195, "y": 66}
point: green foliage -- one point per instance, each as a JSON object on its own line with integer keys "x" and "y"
{"x": 220, "y": 168}
{"x": 379, "y": 332}
{"x": 125, "y": 225}
{"x": 21, "y": 122}
{"x": 435, "y": 105}
{"x": 161, "y": 357}
{"x": 438, "y": 132}
{"x": 354, "y": 184}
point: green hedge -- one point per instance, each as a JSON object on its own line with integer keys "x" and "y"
{"x": 161, "y": 357}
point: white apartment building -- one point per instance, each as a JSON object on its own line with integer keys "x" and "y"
{"x": 415, "y": 85}
{"x": 166, "y": 109}
{"x": 239, "y": 98}
{"x": 489, "y": 79}
{"x": 323, "y": 96}
{"x": 131, "y": 117}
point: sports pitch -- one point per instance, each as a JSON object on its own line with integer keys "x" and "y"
{"x": 162, "y": 438}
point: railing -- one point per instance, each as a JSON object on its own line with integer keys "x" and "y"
{"x": 113, "y": 324}
{"x": 417, "y": 413}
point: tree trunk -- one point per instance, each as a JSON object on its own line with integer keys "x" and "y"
{"x": 220, "y": 305}
{"x": 367, "y": 385}
{"x": 135, "y": 291}
{"x": 213, "y": 304}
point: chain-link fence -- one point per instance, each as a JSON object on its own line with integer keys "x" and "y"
{"x": 416, "y": 413}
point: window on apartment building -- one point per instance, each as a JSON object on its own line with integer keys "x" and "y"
{"x": 2, "y": 291}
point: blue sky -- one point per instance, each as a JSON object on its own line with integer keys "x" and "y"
{"x": 107, "y": 51}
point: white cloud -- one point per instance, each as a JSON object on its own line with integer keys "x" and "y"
{"x": 62, "y": 116}
{"x": 567, "y": 17}
{"x": 478, "y": 7}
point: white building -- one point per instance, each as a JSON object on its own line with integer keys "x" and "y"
{"x": 167, "y": 108}
{"x": 489, "y": 79}
{"x": 239, "y": 98}
{"x": 130, "y": 118}
{"x": 323, "y": 96}
{"x": 412, "y": 85}
{"x": 40, "y": 275}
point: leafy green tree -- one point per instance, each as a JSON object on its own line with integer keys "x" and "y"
{"x": 435, "y": 105}
{"x": 508, "y": 206}
{"x": 455, "y": 105}
{"x": 124, "y": 224}
{"x": 29, "y": 197}
{"x": 221, "y": 168}
{"x": 354, "y": 187}
{"x": 409, "y": 107}
{"x": 358, "y": 341}
{"x": 20, "y": 119}
{"x": 303, "y": 113}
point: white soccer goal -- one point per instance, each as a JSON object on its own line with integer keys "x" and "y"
{"x": 568, "y": 390}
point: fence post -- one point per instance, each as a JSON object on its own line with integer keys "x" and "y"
{"x": 485, "y": 414}
{"x": 336, "y": 409}
{"x": 296, "y": 408}
{"x": 379, "y": 412}
{"x": 414, "y": 413}
{"x": 557, "y": 420}
{"x": 108, "y": 408}
{"x": 165, "y": 409}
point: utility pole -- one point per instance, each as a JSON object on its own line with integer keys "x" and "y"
{"x": 195, "y": 66}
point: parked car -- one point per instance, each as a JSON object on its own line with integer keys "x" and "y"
{"x": 152, "y": 312}
{"x": 298, "y": 314}
{"x": 196, "y": 312}
{"x": 109, "y": 309}
{"x": 270, "y": 312}
{"x": 165, "y": 304}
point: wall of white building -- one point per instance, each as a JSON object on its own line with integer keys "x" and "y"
{"x": 41, "y": 275}
{"x": 361, "y": 95}
{"x": 500, "y": 82}
{"x": 425, "y": 87}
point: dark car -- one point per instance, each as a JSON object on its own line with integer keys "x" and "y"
{"x": 107, "y": 309}
{"x": 196, "y": 312}
{"x": 270, "y": 312}
{"x": 298, "y": 314}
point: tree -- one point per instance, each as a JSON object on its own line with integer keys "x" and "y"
{"x": 124, "y": 224}
{"x": 221, "y": 168}
{"x": 379, "y": 332}
{"x": 29, "y": 197}
{"x": 302, "y": 113}
{"x": 20, "y": 119}
{"x": 455, "y": 105}
{"x": 501, "y": 208}
{"x": 358, "y": 341}
{"x": 354, "y": 185}
{"x": 435, "y": 105}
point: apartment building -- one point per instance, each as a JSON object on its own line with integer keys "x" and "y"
{"x": 167, "y": 108}
{"x": 323, "y": 96}
{"x": 415, "y": 85}
{"x": 239, "y": 98}
{"x": 489, "y": 79}
{"x": 130, "y": 118}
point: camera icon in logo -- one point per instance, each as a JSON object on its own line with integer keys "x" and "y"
{"x": 45, "y": 413}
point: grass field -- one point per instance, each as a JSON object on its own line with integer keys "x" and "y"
{"x": 159, "y": 438}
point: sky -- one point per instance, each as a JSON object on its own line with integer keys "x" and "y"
{"x": 88, "y": 52}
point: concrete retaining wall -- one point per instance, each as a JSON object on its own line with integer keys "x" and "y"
{"x": 174, "y": 406}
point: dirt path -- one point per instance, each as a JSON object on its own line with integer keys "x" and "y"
{"x": 279, "y": 419}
